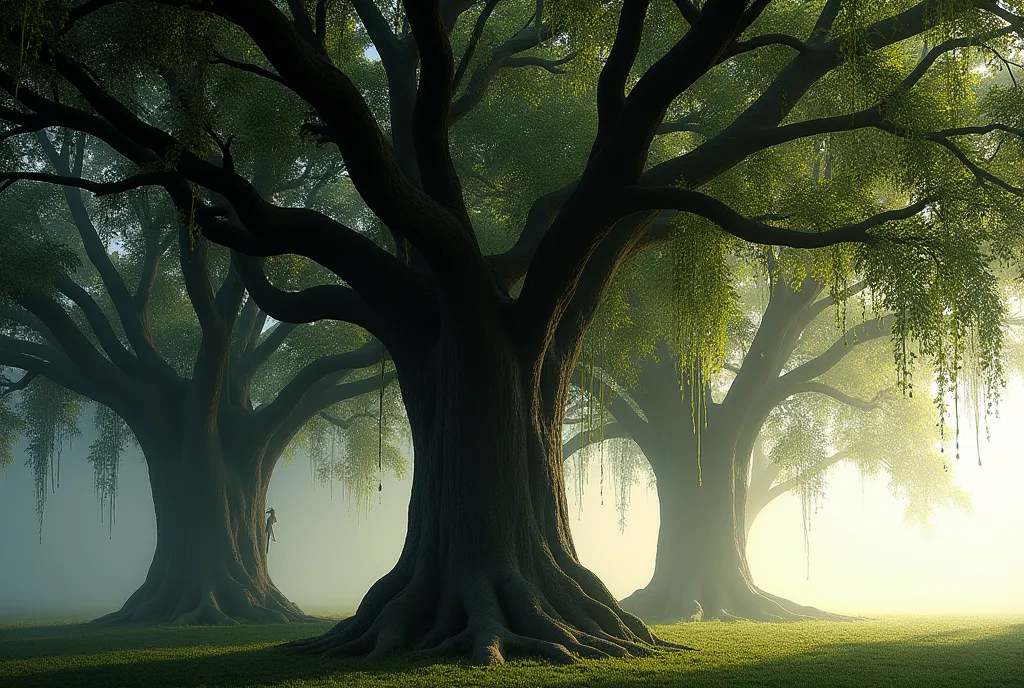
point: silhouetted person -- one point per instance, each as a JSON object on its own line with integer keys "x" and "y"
{"x": 271, "y": 520}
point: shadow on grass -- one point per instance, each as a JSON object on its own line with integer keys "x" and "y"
{"x": 995, "y": 661}
{"x": 68, "y": 640}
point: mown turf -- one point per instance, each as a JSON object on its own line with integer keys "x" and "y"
{"x": 890, "y": 652}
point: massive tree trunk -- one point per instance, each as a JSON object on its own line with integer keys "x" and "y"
{"x": 488, "y": 568}
{"x": 701, "y": 570}
{"x": 698, "y": 571}
{"x": 210, "y": 564}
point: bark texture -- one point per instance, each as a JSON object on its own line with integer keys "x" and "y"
{"x": 210, "y": 565}
{"x": 701, "y": 570}
{"x": 488, "y": 568}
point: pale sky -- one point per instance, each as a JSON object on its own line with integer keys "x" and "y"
{"x": 864, "y": 558}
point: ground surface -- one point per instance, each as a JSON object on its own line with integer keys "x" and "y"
{"x": 889, "y": 652}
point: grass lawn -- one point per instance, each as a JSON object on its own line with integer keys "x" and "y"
{"x": 889, "y": 652}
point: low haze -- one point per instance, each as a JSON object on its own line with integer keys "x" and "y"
{"x": 865, "y": 559}
{"x": 688, "y": 309}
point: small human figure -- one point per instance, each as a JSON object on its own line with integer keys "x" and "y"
{"x": 271, "y": 520}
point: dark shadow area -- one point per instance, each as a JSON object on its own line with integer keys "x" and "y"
{"x": 932, "y": 661}
{"x": 70, "y": 640}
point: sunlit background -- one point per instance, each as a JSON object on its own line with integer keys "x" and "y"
{"x": 864, "y": 559}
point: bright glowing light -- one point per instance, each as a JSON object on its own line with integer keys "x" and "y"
{"x": 865, "y": 559}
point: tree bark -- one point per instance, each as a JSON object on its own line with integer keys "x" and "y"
{"x": 701, "y": 571}
{"x": 488, "y": 568}
{"x": 210, "y": 564}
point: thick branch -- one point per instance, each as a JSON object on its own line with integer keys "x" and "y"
{"x": 785, "y": 486}
{"x": 639, "y": 199}
{"x": 843, "y": 398}
{"x": 611, "y": 85}
{"x": 430, "y": 113}
{"x": 120, "y": 296}
{"x": 100, "y": 326}
{"x": 322, "y": 302}
{"x": 276, "y": 412}
{"x": 251, "y": 361}
{"x": 89, "y": 363}
{"x": 583, "y": 439}
{"x": 824, "y": 362}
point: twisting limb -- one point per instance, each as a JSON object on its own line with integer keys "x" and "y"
{"x": 277, "y": 411}
{"x": 821, "y": 388}
{"x": 582, "y": 440}
{"x": 638, "y": 199}
{"x": 430, "y": 113}
{"x": 246, "y": 67}
{"x": 478, "y": 31}
{"x": 322, "y": 302}
{"x": 481, "y": 78}
{"x": 981, "y": 174}
{"x": 105, "y": 335}
{"x": 819, "y": 365}
{"x": 47, "y": 362}
{"x": 611, "y": 85}
{"x": 10, "y": 387}
{"x": 352, "y": 256}
{"x": 757, "y": 42}
{"x": 552, "y": 66}
{"x": 76, "y": 347}
{"x": 120, "y": 296}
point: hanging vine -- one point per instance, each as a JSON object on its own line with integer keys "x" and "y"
{"x": 50, "y": 412}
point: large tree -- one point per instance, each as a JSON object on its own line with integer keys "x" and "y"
{"x": 488, "y": 566}
{"x": 109, "y": 302}
{"x": 796, "y": 396}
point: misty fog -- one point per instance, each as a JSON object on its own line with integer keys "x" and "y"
{"x": 864, "y": 558}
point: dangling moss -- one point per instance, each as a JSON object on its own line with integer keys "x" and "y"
{"x": 11, "y": 427}
{"x": 50, "y": 413}
{"x": 704, "y": 303}
{"x": 105, "y": 452}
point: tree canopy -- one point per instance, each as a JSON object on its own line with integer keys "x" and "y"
{"x": 479, "y": 261}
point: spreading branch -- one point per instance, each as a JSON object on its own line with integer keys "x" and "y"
{"x": 640, "y": 199}
{"x": 584, "y": 439}
{"x": 816, "y": 387}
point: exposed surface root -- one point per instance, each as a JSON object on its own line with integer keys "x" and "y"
{"x": 178, "y": 601}
{"x": 486, "y": 617}
{"x": 719, "y": 602}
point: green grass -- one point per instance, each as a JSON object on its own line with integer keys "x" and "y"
{"x": 889, "y": 652}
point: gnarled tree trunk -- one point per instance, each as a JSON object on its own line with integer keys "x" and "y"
{"x": 210, "y": 564}
{"x": 701, "y": 570}
{"x": 488, "y": 568}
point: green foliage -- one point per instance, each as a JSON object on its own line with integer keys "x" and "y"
{"x": 355, "y": 442}
{"x": 112, "y": 437}
{"x": 50, "y": 413}
{"x": 11, "y": 427}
